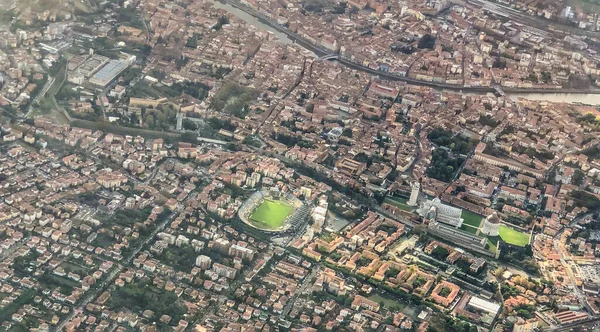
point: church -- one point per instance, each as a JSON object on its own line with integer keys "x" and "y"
{"x": 435, "y": 210}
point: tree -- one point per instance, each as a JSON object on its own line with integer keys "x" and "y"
{"x": 56, "y": 67}
{"x": 138, "y": 297}
{"x": 499, "y": 63}
{"x": 533, "y": 77}
{"x": 158, "y": 74}
{"x": 445, "y": 291}
{"x": 546, "y": 77}
{"x": 442, "y": 166}
{"x": 149, "y": 122}
{"x": 578, "y": 177}
{"x": 457, "y": 143}
{"x": 584, "y": 199}
{"x": 488, "y": 120}
{"x": 440, "y": 253}
{"x": 427, "y": 41}
{"x": 222, "y": 21}
{"x": 189, "y": 125}
{"x": 233, "y": 98}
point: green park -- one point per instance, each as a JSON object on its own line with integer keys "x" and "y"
{"x": 512, "y": 236}
{"x": 472, "y": 222}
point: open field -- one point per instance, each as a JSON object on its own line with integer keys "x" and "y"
{"x": 270, "y": 214}
{"x": 510, "y": 236}
{"x": 587, "y": 5}
{"x": 399, "y": 202}
{"x": 513, "y": 237}
{"x": 387, "y": 301}
{"x": 471, "y": 222}
{"x": 42, "y": 5}
{"x": 468, "y": 228}
{"x": 471, "y": 218}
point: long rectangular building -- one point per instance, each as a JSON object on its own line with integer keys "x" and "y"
{"x": 462, "y": 238}
{"x": 109, "y": 72}
{"x": 507, "y": 162}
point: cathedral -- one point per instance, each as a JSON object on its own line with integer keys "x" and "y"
{"x": 435, "y": 210}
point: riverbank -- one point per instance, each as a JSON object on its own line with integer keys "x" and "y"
{"x": 251, "y": 16}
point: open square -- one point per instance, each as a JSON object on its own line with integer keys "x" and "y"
{"x": 271, "y": 214}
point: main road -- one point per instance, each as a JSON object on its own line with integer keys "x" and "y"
{"x": 325, "y": 53}
{"x": 40, "y": 95}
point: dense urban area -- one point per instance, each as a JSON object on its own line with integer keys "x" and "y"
{"x": 300, "y": 165}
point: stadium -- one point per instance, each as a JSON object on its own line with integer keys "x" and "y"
{"x": 273, "y": 211}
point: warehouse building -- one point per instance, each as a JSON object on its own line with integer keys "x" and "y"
{"x": 109, "y": 72}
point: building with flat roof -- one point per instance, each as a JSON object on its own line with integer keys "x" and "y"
{"x": 483, "y": 305}
{"x": 109, "y": 72}
{"x": 77, "y": 61}
{"x": 92, "y": 65}
{"x": 461, "y": 238}
{"x": 55, "y": 46}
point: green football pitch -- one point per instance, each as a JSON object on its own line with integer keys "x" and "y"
{"x": 270, "y": 214}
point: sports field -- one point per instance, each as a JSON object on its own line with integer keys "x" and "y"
{"x": 513, "y": 237}
{"x": 270, "y": 214}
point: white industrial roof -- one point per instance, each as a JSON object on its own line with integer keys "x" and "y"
{"x": 484, "y": 305}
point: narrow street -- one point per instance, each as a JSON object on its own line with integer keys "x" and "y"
{"x": 13, "y": 248}
{"x": 300, "y": 291}
{"x": 563, "y": 260}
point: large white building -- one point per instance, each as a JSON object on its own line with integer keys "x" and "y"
{"x": 491, "y": 225}
{"x": 435, "y": 210}
{"x": 109, "y": 72}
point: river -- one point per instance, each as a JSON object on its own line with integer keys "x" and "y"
{"x": 583, "y": 98}
{"x": 570, "y": 98}
{"x": 282, "y": 37}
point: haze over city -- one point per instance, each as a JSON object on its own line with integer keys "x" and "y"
{"x": 300, "y": 165}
